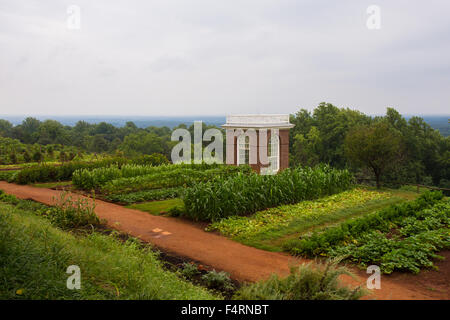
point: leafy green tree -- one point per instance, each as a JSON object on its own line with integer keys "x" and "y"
{"x": 142, "y": 143}
{"x": 26, "y": 156}
{"x": 62, "y": 156}
{"x": 13, "y": 158}
{"x": 377, "y": 146}
{"x": 5, "y": 128}
{"x": 27, "y": 132}
{"x": 37, "y": 156}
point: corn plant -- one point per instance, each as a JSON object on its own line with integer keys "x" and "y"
{"x": 244, "y": 194}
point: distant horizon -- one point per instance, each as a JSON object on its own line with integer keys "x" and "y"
{"x": 196, "y": 115}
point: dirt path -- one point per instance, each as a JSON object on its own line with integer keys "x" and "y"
{"x": 184, "y": 239}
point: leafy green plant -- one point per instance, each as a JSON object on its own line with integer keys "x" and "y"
{"x": 148, "y": 195}
{"x": 298, "y": 217}
{"x": 305, "y": 282}
{"x": 320, "y": 243}
{"x": 47, "y": 173}
{"x": 73, "y": 213}
{"x": 189, "y": 270}
{"x": 170, "y": 177}
{"x": 218, "y": 280}
{"x": 244, "y": 194}
{"x": 402, "y": 237}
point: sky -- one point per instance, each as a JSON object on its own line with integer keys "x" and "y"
{"x": 216, "y": 57}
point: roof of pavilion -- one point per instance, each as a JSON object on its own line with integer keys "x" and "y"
{"x": 258, "y": 121}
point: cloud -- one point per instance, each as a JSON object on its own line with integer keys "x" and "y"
{"x": 176, "y": 57}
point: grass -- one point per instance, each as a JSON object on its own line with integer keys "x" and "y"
{"x": 305, "y": 282}
{"x": 269, "y": 229}
{"x": 157, "y": 207}
{"x": 50, "y": 185}
{"x": 35, "y": 256}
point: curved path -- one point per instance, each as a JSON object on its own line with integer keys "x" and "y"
{"x": 184, "y": 239}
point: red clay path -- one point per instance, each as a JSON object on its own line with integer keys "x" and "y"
{"x": 184, "y": 239}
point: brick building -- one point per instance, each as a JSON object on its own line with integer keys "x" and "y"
{"x": 245, "y": 133}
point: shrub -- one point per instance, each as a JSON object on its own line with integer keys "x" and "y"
{"x": 305, "y": 282}
{"x": 155, "y": 159}
{"x": 243, "y": 194}
{"x": 189, "y": 270}
{"x": 69, "y": 213}
{"x": 218, "y": 280}
{"x": 8, "y": 198}
{"x": 7, "y": 175}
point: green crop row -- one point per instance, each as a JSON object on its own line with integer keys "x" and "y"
{"x": 177, "y": 176}
{"x": 403, "y": 236}
{"x": 89, "y": 179}
{"x": 47, "y": 173}
{"x": 244, "y": 194}
{"x": 149, "y": 195}
{"x": 412, "y": 246}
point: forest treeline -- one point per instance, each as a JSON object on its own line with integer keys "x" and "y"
{"x": 386, "y": 148}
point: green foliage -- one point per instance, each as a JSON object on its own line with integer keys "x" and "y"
{"x": 7, "y": 175}
{"x": 73, "y": 213}
{"x": 268, "y": 229}
{"x": 148, "y": 195}
{"x": 376, "y": 146}
{"x": 218, "y": 280}
{"x": 158, "y": 207}
{"x": 47, "y": 173}
{"x": 403, "y": 237}
{"x": 189, "y": 270}
{"x": 243, "y": 194}
{"x": 8, "y": 198}
{"x": 35, "y": 256}
{"x": 89, "y": 179}
{"x": 305, "y": 282}
{"x": 155, "y": 159}
{"x": 66, "y": 213}
{"x": 12, "y": 151}
{"x": 319, "y": 137}
{"x": 171, "y": 176}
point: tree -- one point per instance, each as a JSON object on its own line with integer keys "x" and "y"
{"x": 377, "y": 146}
{"x": 5, "y": 128}
{"x": 37, "y": 156}
{"x": 26, "y": 156}
{"x": 142, "y": 143}
{"x": 62, "y": 156}
{"x": 13, "y": 157}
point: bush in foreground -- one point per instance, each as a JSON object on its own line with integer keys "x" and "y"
{"x": 305, "y": 282}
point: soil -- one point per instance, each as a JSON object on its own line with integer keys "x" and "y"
{"x": 435, "y": 283}
{"x": 186, "y": 239}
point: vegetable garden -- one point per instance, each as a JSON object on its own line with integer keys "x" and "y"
{"x": 314, "y": 212}
{"x": 406, "y": 236}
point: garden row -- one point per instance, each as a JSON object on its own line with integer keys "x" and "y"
{"x": 401, "y": 237}
{"x": 269, "y": 229}
{"x": 63, "y": 172}
{"x": 245, "y": 194}
{"x": 132, "y": 178}
{"x": 114, "y": 268}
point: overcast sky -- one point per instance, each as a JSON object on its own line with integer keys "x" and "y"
{"x": 215, "y": 57}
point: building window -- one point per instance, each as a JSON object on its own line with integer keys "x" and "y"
{"x": 243, "y": 149}
{"x": 273, "y": 155}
